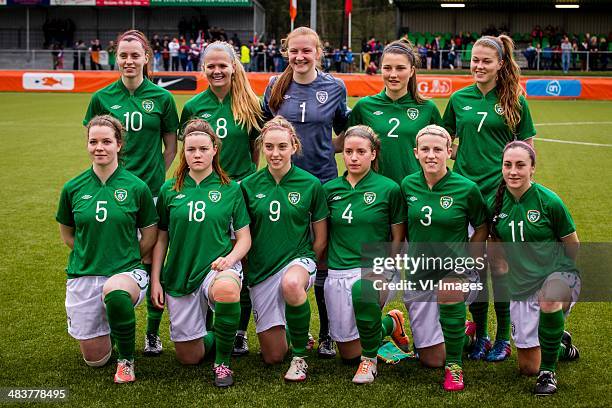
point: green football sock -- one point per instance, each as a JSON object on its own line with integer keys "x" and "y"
{"x": 245, "y": 308}
{"x": 452, "y": 320}
{"x": 367, "y": 317}
{"x": 502, "y": 307}
{"x": 387, "y": 326}
{"x": 154, "y": 315}
{"x": 550, "y": 332}
{"x": 298, "y": 323}
{"x": 480, "y": 309}
{"x": 209, "y": 342}
{"x": 227, "y": 317}
{"x": 122, "y": 322}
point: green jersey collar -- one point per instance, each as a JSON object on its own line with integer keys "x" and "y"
{"x": 95, "y": 177}
{"x": 404, "y": 99}
{"x": 491, "y": 93}
{"x": 145, "y": 83}
{"x": 363, "y": 179}
{"x": 440, "y": 182}
{"x": 213, "y": 98}
{"x": 212, "y": 178}
{"x": 285, "y": 177}
{"x": 530, "y": 191}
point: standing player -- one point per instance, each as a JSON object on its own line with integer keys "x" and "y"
{"x": 441, "y": 205}
{"x": 285, "y": 203}
{"x": 398, "y": 112}
{"x": 202, "y": 269}
{"x": 149, "y": 116}
{"x": 315, "y": 103}
{"x": 365, "y": 207}
{"x": 484, "y": 117}
{"x": 99, "y": 210}
{"x": 541, "y": 250}
{"x": 234, "y": 111}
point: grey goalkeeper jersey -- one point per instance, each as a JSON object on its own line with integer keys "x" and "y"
{"x": 313, "y": 110}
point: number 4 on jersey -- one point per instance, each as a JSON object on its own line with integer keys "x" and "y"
{"x": 348, "y": 214}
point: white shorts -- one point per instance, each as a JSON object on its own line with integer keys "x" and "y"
{"x": 188, "y": 313}
{"x": 85, "y": 307}
{"x": 267, "y": 296}
{"x": 339, "y": 302}
{"x": 424, "y": 313}
{"x": 525, "y": 314}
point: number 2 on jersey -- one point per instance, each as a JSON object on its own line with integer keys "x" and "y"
{"x": 396, "y": 123}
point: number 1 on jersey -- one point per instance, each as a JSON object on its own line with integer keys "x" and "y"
{"x": 303, "y": 106}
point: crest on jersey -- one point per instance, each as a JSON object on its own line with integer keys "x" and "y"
{"x": 294, "y": 197}
{"x": 498, "y": 109}
{"x": 206, "y": 115}
{"x": 148, "y": 105}
{"x": 178, "y": 197}
{"x": 502, "y": 215}
{"x": 121, "y": 195}
{"x": 369, "y": 197}
{"x": 412, "y": 113}
{"x": 322, "y": 96}
{"x": 214, "y": 196}
{"x": 533, "y": 215}
{"x": 446, "y": 202}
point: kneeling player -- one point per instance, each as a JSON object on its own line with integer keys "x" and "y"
{"x": 441, "y": 205}
{"x": 365, "y": 207}
{"x": 285, "y": 203}
{"x": 99, "y": 210}
{"x": 202, "y": 270}
{"x": 543, "y": 279}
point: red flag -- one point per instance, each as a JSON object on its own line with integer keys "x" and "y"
{"x": 348, "y": 7}
{"x": 292, "y": 9}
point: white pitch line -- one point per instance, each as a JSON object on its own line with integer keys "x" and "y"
{"x": 572, "y": 142}
{"x": 572, "y": 123}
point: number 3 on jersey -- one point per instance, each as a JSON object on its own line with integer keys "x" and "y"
{"x": 427, "y": 214}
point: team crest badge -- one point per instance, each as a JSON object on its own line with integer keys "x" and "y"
{"x": 322, "y": 96}
{"x": 412, "y": 113}
{"x": 446, "y": 202}
{"x": 533, "y": 215}
{"x": 148, "y": 105}
{"x": 121, "y": 195}
{"x": 294, "y": 197}
{"x": 214, "y": 196}
{"x": 369, "y": 197}
{"x": 206, "y": 115}
{"x": 498, "y": 109}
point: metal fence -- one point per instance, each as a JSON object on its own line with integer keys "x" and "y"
{"x": 262, "y": 62}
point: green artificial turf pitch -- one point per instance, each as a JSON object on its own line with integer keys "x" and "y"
{"x": 43, "y": 146}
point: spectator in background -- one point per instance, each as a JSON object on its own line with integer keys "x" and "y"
{"x": 327, "y": 56}
{"x": 236, "y": 40}
{"x": 337, "y": 60}
{"x": 429, "y": 56}
{"x": 194, "y": 57}
{"x": 156, "y": 44}
{"x": 435, "y": 60}
{"x": 603, "y": 48}
{"x": 245, "y": 57}
{"x": 94, "y": 59}
{"x": 184, "y": 54}
{"x": 58, "y": 56}
{"x": 576, "y": 56}
{"x": 365, "y": 50}
{"x": 75, "y": 56}
{"x": 173, "y": 48}
{"x": 112, "y": 54}
{"x": 547, "y": 54}
{"x": 279, "y": 64}
{"x": 423, "y": 55}
{"x": 350, "y": 60}
{"x": 253, "y": 52}
{"x": 82, "y": 51}
{"x": 593, "y": 54}
{"x": 584, "y": 48}
{"x": 343, "y": 61}
{"x": 372, "y": 69}
{"x": 166, "y": 55}
{"x": 452, "y": 54}
{"x": 530, "y": 55}
{"x": 566, "y": 54}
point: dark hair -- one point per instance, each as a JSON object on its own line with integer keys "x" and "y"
{"x": 501, "y": 189}
{"x": 196, "y": 127}
{"x": 403, "y": 46}
{"x": 366, "y": 132}
{"x": 135, "y": 35}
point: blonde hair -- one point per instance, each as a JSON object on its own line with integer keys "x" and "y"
{"x": 434, "y": 130}
{"x": 509, "y": 88}
{"x": 197, "y": 127}
{"x": 366, "y": 132}
{"x": 282, "y": 83}
{"x": 279, "y": 123}
{"x": 245, "y": 103}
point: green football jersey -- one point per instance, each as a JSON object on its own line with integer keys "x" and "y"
{"x": 441, "y": 216}
{"x": 281, "y": 215}
{"x": 478, "y": 121}
{"x": 198, "y": 220}
{"x": 105, "y": 217}
{"x": 146, "y": 115}
{"x": 396, "y": 123}
{"x": 533, "y": 227}
{"x": 236, "y": 158}
{"x": 360, "y": 215}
